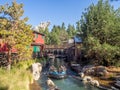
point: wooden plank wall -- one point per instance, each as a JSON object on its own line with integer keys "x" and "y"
{"x": 3, "y": 58}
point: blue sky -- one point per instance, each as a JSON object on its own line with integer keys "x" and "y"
{"x": 55, "y": 11}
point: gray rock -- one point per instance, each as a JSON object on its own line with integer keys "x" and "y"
{"x": 36, "y": 70}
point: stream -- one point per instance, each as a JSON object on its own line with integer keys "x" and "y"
{"x": 69, "y": 83}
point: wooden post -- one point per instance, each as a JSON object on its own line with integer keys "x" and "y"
{"x": 9, "y": 60}
{"x": 75, "y": 51}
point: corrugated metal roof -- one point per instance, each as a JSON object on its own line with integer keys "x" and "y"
{"x": 78, "y": 39}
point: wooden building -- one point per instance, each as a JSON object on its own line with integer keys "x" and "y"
{"x": 71, "y": 49}
{"x": 38, "y": 44}
{"x": 74, "y": 51}
{"x": 77, "y": 48}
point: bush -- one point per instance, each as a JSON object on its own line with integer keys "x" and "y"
{"x": 18, "y": 78}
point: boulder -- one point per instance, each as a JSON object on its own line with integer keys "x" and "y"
{"x": 87, "y": 79}
{"x": 51, "y": 85}
{"x": 101, "y": 71}
{"x": 95, "y": 83}
{"x": 81, "y": 75}
{"x": 95, "y": 71}
{"x": 36, "y": 70}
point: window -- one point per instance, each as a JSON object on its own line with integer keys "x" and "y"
{"x": 36, "y": 49}
{"x": 43, "y": 37}
{"x": 36, "y": 35}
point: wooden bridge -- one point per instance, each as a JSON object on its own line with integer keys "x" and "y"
{"x": 62, "y": 51}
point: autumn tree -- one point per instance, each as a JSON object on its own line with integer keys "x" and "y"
{"x": 14, "y": 30}
{"x": 100, "y": 25}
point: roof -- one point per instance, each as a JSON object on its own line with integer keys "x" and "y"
{"x": 38, "y": 33}
{"x": 78, "y": 39}
{"x": 37, "y": 44}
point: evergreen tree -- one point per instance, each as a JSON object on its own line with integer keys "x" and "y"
{"x": 100, "y": 25}
{"x": 63, "y": 34}
{"x": 55, "y": 35}
{"x": 71, "y": 31}
{"x": 47, "y": 36}
{"x": 59, "y": 34}
{"x": 63, "y": 26}
{"x": 54, "y": 39}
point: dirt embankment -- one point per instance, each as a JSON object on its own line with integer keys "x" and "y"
{"x": 35, "y": 86}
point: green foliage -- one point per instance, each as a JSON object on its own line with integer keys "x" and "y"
{"x": 54, "y": 39}
{"x": 100, "y": 25}
{"x": 14, "y": 30}
{"x": 23, "y": 64}
{"x": 18, "y": 78}
{"x": 71, "y": 31}
{"x": 55, "y": 35}
{"x": 47, "y": 34}
{"x": 58, "y": 35}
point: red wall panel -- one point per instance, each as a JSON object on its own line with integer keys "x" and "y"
{"x": 39, "y": 39}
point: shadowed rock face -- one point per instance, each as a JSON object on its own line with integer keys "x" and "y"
{"x": 36, "y": 70}
{"x": 95, "y": 70}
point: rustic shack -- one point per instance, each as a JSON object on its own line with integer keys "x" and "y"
{"x": 38, "y": 44}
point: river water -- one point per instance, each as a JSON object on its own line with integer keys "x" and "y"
{"x": 69, "y": 83}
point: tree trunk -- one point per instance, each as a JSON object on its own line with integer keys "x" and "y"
{"x": 9, "y": 60}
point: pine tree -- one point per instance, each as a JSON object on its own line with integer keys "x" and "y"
{"x": 100, "y": 25}
{"x": 71, "y": 31}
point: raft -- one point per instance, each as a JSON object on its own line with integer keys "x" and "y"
{"x": 57, "y": 75}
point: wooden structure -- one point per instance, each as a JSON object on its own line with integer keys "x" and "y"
{"x": 78, "y": 46}
{"x": 72, "y": 51}
{"x": 4, "y": 53}
{"x": 64, "y": 51}
{"x": 38, "y": 44}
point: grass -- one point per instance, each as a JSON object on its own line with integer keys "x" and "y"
{"x": 18, "y": 78}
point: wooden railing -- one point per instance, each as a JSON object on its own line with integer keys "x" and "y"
{"x": 65, "y": 46}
